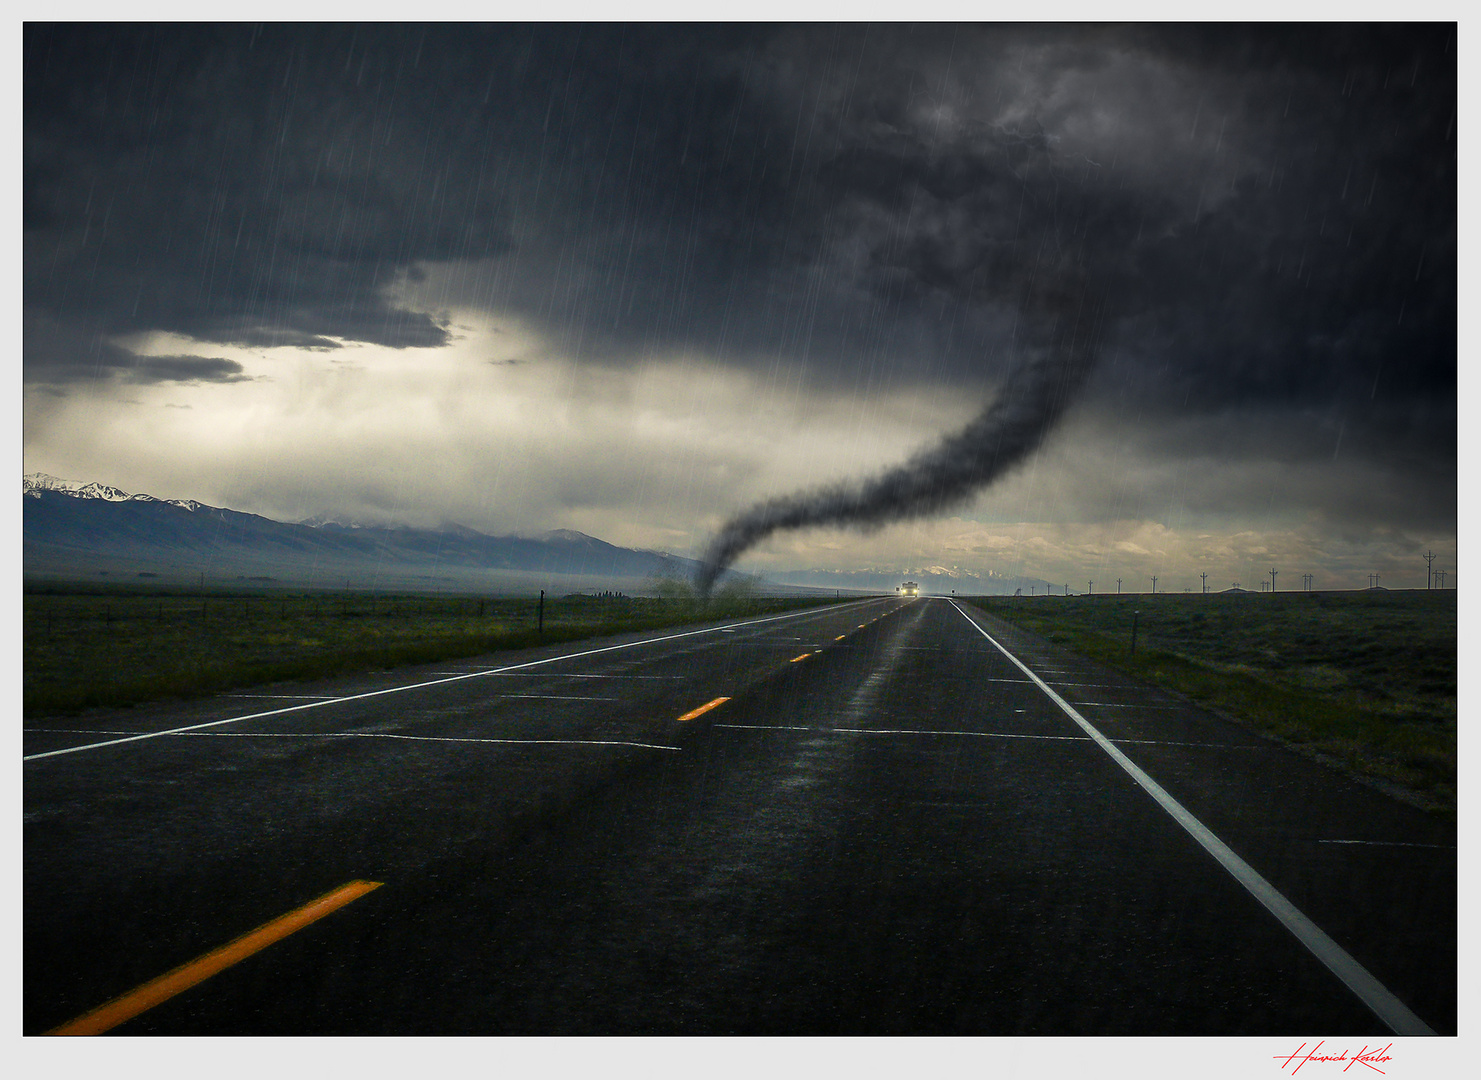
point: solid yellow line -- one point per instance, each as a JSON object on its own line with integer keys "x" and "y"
{"x": 706, "y": 707}
{"x": 184, "y": 977}
{"x": 804, "y": 656}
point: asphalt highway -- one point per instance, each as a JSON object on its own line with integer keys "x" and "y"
{"x": 882, "y": 817}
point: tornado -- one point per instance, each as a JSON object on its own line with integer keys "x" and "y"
{"x": 1028, "y": 405}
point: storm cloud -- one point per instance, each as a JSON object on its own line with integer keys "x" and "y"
{"x": 1266, "y": 215}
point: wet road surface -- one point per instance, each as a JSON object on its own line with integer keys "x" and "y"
{"x": 886, "y": 826}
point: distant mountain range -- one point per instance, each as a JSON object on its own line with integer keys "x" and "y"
{"x": 94, "y": 531}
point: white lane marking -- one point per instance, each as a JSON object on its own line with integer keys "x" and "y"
{"x": 1200, "y": 745}
{"x": 413, "y": 738}
{"x": 371, "y": 735}
{"x": 1119, "y": 705}
{"x": 562, "y": 675}
{"x": 898, "y": 731}
{"x": 1080, "y": 685}
{"x": 73, "y": 731}
{"x": 1090, "y": 685}
{"x": 1389, "y": 843}
{"x": 1388, "y": 1008}
{"x": 549, "y": 675}
{"x": 553, "y": 697}
{"x": 813, "y": 612}
{"x": 288, "y": 697}
{"x": 994, "y": 735}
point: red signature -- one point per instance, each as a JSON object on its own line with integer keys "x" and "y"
{"x": 1362, "y": 1057}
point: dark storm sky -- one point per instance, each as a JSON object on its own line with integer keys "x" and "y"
{"x": 1267, "y": 216}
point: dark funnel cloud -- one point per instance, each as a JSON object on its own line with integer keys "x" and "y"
{"x": 1032, "y": 399}
{"x": 1265, "y": 216}
{"x": 988, "y": 217}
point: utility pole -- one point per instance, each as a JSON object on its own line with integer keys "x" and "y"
{"x": 1272, "y": 579}
{"x": 1429, "y": 564}
{"x": 1204, "y": 575}
{"x": 1154, "y": 583}
{"x": 1090, "y": 588}
{"x": 1118, "y": 586}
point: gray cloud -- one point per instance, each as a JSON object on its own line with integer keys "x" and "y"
{"x": 1268, "y": 213}
{"x": 57, "y": 354}
{"x": 158, "y": 369}
{"x": 258, "y": 188}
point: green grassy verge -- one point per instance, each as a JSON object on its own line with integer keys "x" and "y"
{"x": 1365, "y": 680}
{"x": 125, "y": 647}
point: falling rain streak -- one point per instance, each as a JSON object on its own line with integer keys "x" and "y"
{"x": 638, "y": 280}
{"x": 1027, "y": 406}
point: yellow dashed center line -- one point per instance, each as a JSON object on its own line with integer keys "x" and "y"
{"x": 152, "y": 993}
{"x": 804, "y": 656}
{"x": 706, "y": 707}
{"x": 840, "y": 637}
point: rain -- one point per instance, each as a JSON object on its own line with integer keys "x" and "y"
{"x": 995, "y": 303}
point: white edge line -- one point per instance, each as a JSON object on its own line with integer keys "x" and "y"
{"x": 1388, "y": 1008}
{"x": 416, "y": 686}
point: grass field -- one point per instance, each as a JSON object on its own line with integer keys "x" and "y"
{"x": 88, "y": 648}
{"x": 1366, "y": 680}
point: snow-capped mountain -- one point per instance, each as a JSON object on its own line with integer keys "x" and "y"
{"x": 86, "y": 530}
{"x": 32, "y": 484}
